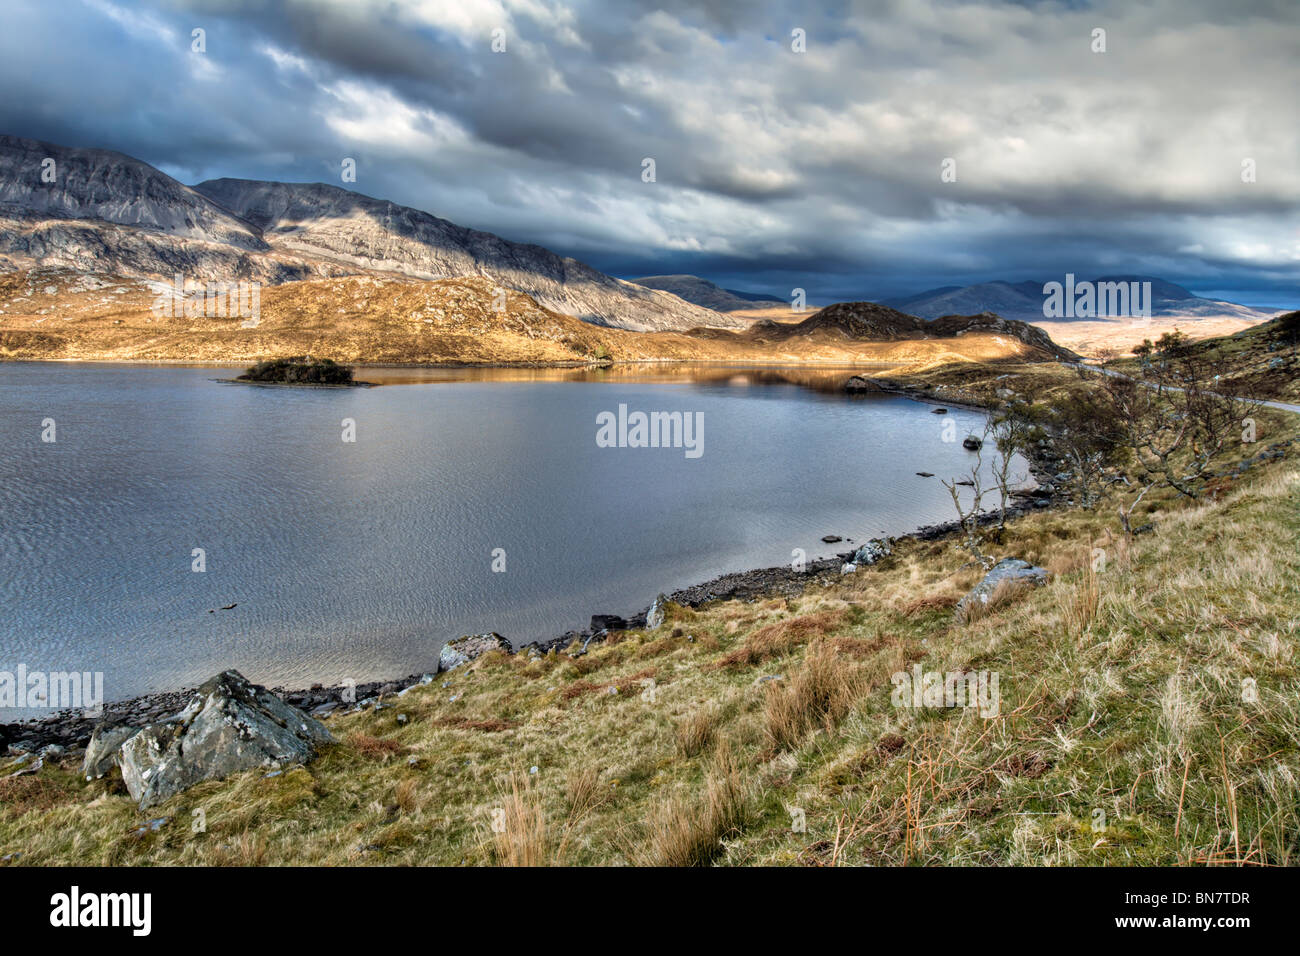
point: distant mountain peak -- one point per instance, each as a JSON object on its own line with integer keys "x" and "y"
{"x": 707, "y": 294}
{"x": 1024, "y": 300}
{"x": 100, "y": 184}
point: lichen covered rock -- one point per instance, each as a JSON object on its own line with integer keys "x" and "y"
{"x": 101, "y": 753}
{"x": 229, "y": 725}
{"x": 873, "y": 551}
{"x": 1013, "y": 571}
{"x": 654, "y": 618}
{"x": 464, "y": 649}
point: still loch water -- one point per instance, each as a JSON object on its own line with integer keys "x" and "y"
{"x": 357, "y": 560}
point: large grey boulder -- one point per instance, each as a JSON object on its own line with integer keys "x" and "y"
{"x": 1020, "y": 574}
{"x": 229, "y": 725}
{"x": 654, "y": 617}
{"x": 467, "y": 648}
{"x": 101, "y": 753}
{"x": 874, "y": 550}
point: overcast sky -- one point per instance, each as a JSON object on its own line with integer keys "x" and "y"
{"x": 774, "y": 168}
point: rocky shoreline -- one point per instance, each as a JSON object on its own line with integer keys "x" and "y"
{"x": 71, "y": 730}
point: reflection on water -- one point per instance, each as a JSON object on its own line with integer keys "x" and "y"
{"x": 822, "y": 378}
{"x": 357, "y": 560}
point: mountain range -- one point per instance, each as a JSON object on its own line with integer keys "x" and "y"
{"x": 98, "y": 211}
{"x": 1024, "y": 300}
{"x": 89, "y": 237}
{"x": 704, "y": 293}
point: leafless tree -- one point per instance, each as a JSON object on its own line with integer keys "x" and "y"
{"x": 968, "y": 513}
{"x": 1173, "y": 420}
{"x": 1078, "y": 427}
{"x": 1009, "y": 437}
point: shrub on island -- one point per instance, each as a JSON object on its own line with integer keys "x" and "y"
{"x": 299, "y": 370}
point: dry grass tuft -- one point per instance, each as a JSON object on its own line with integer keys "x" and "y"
{"x": 623, "y": 685}
{"x": 860, "y": 648}
{"x": 928, "y": 602}
{"x": 685, "y": 831}
{"x": 1080, "y": 605}
{"x": 19, "y": 795}
{"x": 519, "y": 824}
{"x": 407, "y": 795}
{"x": 582, "y": 791}
{"x": 374, "y": 748}
{"x": 578, "y": 688}
{"x": 697, "y": 730}
{"x": 247, "y": 849}
{"x": 820, "y": 694}
{"x": 780, "y": 638}
{"x": 492, "y": 725}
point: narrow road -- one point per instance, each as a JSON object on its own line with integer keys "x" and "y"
{"x": 1294, "y": 409}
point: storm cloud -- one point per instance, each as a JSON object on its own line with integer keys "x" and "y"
{"x": 774, "y": 168}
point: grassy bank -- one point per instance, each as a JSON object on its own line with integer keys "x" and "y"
{"x": 1260, "y": 362}
{"x": 1128, "y": 732}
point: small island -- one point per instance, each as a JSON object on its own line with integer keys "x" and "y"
{"x": 301, "y": 370}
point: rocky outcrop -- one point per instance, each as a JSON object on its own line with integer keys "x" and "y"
{"x": 861, "y": 385}
{"x": 869, "y": 321}
{"x": 853, "y": 320}
{"x": 1031, "y": 335}
{"x": 1007, "y": 573}
{"x": 465, "y": 649}
{"x": 229, "y": 726}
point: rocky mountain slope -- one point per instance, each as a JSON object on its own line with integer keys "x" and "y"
{"x": 112, "y": 188}
{"x": 103, "y": 212}
{"x": 704, "y": 293}
{"x": 353, "y": 232}
{"x": 106, "y": 213}
{"x": 1024, "y": 300}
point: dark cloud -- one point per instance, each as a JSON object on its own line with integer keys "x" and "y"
{"x": 775, "y": 169}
